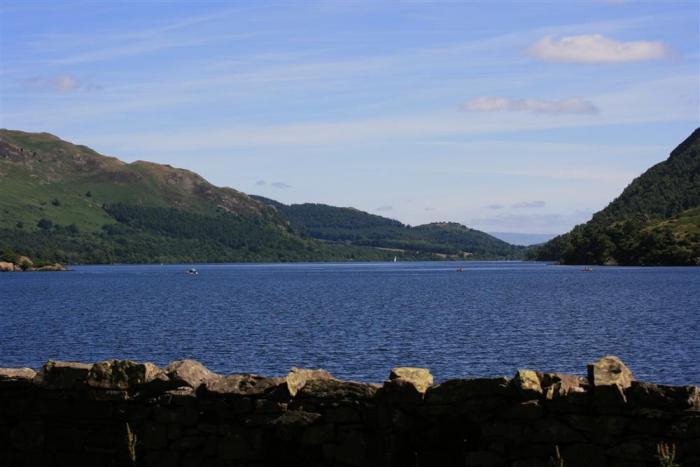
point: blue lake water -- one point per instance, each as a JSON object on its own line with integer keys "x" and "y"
{"x": 358, "y": 320}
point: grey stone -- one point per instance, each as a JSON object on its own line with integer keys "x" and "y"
{"x": 62, "y": 375}
{"x": 552, "y": 431}
{"x": 296, "y": 419}
{"x": 420, "y": 378}
{"x": 527, "y": 410}
{"x": 318, "y": 434}
{"x": 270, "y": 406}
{"x": 556, "y": 385}
{"x": 240, "y": 385}
{"x": 352, "y": 450}
{"x": 17, "y": 374}
{"x": 609, "y": 370}
{"x": 610, "y": 395}
{"x": 402, "y": 393}
{"x": 337, "y": 390}
{"x": 663, "y": 397}
{"x": 526, "y": 384}
{"x": 189, "y": 373}
{"x": 28, "y": 435}
{"x": 123, "y": 374}
{"x": 297, "y": 378}
{"x": 484, "y": 459}
{"x": 457, "y": 390}
{"x": 235, "y": 446}
{"x": 583, "y": 455}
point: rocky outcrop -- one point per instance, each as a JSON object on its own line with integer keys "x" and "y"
{"x": 119, "y": 412}
{"x": 25, "y": 264}
{"x": 6, "y": 266}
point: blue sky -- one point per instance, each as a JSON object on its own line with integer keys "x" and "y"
{"x": 505, "y": 116}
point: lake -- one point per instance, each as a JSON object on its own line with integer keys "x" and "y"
{"x": 358, "y": 320}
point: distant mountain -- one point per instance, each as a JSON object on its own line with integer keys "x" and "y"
{"x": 525, "y": 239}
{"x": 655, "y": 221}
{"x": 354, "y": 227}
{"x": 65, "y": 202}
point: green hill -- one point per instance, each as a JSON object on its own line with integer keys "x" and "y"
{"x": 655, "y": 221}
{"x": 355, "y": 227}
{"x": 67, "y": 203}
{"x": 61, "y": 202}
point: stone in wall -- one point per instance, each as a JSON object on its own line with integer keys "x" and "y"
{"x": 137, "y": 414}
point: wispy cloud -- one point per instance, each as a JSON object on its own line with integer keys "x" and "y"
{"x": 66, "y": 83}
{"x": 596, "y": 48}
{"x": 497, "y": 104}
{"x": 62, "y": 83}
{"x": 108, "y": 45}
{"x": 534, "y": 223}
{"x": 280, "y": 185}
{"x": 528, "y": 204}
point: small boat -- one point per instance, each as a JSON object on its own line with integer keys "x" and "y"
{"x": 192, "y": 272}
{"x": 395, "y": 258}
{"x": 459, "y": 269}
{"x": 586, "y": 269}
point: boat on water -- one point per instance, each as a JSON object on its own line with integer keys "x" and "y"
{"x": 192, "y": 272}
{"x": 395, "y": 258}
{"x": 586, "y": 269}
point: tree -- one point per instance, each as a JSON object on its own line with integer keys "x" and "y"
{"x": 44, "y": 224}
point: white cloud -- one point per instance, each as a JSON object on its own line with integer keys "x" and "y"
{"x": 529, "y": 204}
{"x": 280, "y": 185}
{"x": 565, "y": 106}
{"x": 596, "y": 48}
{"x": 61, "y": 83}
{"x": 66, "y": 83}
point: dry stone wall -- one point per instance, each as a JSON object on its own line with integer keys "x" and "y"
{"x": 122, "y": 413}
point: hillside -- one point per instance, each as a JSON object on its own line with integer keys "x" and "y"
{"x": 355, "y": 227}
{"x": 655, "y": 221}
{"x": 67, "y": 203}
{"x": 61, "y": 202}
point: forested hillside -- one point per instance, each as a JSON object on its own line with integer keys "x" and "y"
{"x": 62, "y": 202}
{"x": 655, "y": 221}
{"x": 67, "y": 203}
{"x": 355, "y": 227}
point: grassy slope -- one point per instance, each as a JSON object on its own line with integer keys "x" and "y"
{"x": 44, "y": 177}
{"x": 46, "y": 168}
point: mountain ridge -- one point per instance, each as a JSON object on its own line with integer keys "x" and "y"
{"x": 654, "y": 221}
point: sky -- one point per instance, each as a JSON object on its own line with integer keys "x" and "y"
{"x": 504, "y": 116}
